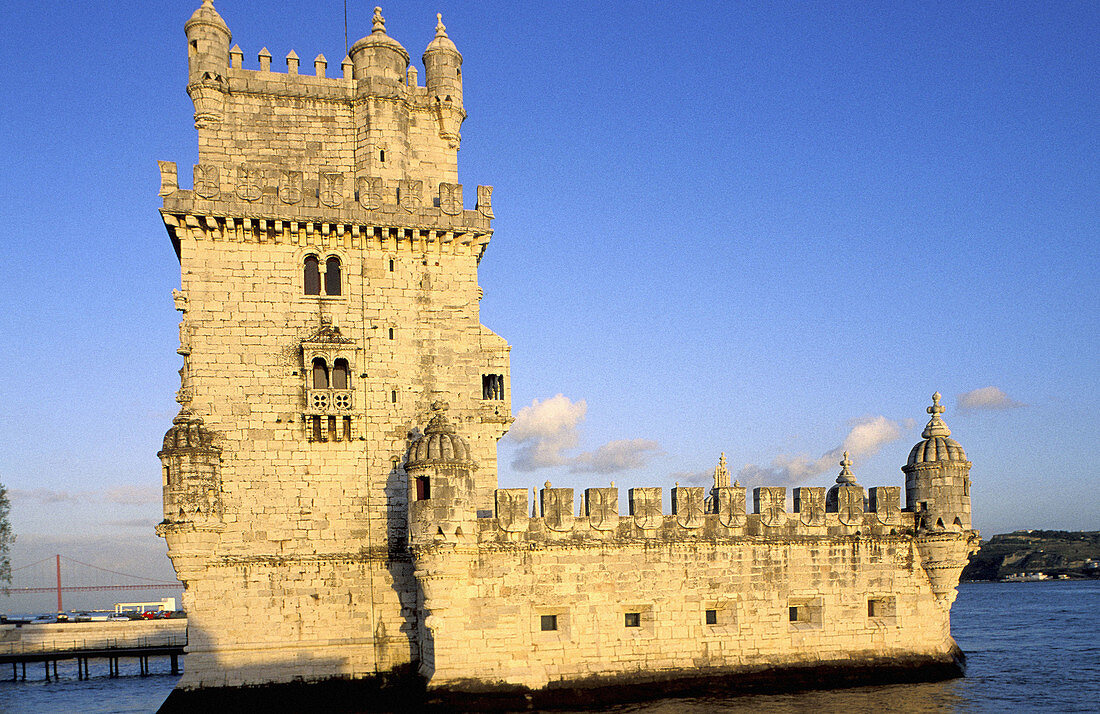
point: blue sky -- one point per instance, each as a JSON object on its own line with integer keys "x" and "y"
{"x": 763, "y": 229}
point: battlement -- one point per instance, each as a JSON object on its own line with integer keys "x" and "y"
{"x": 693, "y": 516}
{"x": 340, "y": 84}
{"x": 269, "y": 135}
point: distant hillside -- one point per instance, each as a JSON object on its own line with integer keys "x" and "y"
{"x": 1072, "y": 553}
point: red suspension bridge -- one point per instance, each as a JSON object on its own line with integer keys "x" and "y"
{"x": 57, "y": 586}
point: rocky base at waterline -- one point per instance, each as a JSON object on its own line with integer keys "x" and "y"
{"x": 404, "y": 691}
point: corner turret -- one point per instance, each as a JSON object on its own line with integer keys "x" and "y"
{"x": 208, "y": 40}
{"x": 441, "y": 484}
{"x": 378, "y": 59}
{"x": 443, "y": 77}
{"x": 937, "y": 477}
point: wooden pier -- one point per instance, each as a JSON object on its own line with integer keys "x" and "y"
{"x": 82, "y": 652}
{"x": 49, "y": 644}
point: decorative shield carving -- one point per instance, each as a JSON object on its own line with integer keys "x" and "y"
{"x": 645, "y": 506}
{"x": 485, "y": 201}
{"x": 370, "y": 192}
{"x": 885, "y": 502}
{"x": 330, "y": 191}
{"x": 512, "y": 509}
{"x": 731, "y": 506}
{"x": 412, "y": 197}
{"x": 687, "y": 504}
{"x": 249, "y": 183}
{"x": 770, "y": 502}
{"x": 290, "y": 186}
{"x": 557, "y": 508}
{"x": 206, "y": 180}
{"x": 810, "y": 504}
{"x": 849, "y": 505}
{"x": 450, "y": 198}
{"x": 601, "y": 505}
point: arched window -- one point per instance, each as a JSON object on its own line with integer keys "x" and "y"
{"x": 332, "y": 276}
{"x": 391, "y": 265}
{"x": 320, "y": 374}
{"x": 312, "y": 277}
{"x": 340, "y": 374}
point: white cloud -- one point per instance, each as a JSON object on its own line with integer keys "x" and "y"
{"x": 544, "y": 430}
{"x": 986, "y": 399}
{"x": 615, "y": 456}
{"x": 548, "y": 429}
{"x": 865, "y": 438}
{"x": 133, "y": 495}
{"x": 126, "y": 495}
{"x": 693, "y": 478}
{"x": 47, "y": 495}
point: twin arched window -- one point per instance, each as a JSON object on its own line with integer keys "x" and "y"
{"x": 322, "y": 379}
{"x": 312, "y": 275}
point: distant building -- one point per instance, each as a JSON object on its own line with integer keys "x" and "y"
{"x": 330, "y": 483}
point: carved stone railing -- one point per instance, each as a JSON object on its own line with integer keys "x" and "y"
{"x": 323, "y": 402}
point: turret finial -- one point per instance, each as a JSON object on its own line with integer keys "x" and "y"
{"x": 846, "y": 475}
{"x": 936, "y": 425}
{"x": 935, "y": 408}
{"x": 721, "y": 473}
{"x": 379, "y": 21}
{"x": 440, "y": 28}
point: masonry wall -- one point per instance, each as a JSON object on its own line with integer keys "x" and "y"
{"x": 486, "y": 604}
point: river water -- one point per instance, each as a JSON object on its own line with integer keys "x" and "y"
{"x": 1029, "y": 647}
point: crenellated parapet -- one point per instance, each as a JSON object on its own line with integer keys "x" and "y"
{"x": 600, "y": 516}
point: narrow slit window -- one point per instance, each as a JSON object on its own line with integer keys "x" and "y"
{"x": 340, "y": 374}
{"x": 320, "y": 374}
{"x": 332, "y": 276}
{"x": 391, "y": 265}
{"x": 382, "y": 155}
{"x": 316, "y": 428}
{"x": 332, "y": 428}
{"x": 391, "y": 333}
{"x": 549, "y": 623}
{"x": 393, "y": 396}
{"x": 312, "y": 277}
{"x": 633, "y": 619}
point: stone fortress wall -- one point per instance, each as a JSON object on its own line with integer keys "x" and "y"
{"x": 546, "y": 600}
{"x": 330, "y": 483}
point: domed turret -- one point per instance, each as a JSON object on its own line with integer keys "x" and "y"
{"x": 441, "y": 482}
{"x": 208, "y": 40}
{"x": 378, "y": 56}
{"x": 937, "y": 476}
{"x": 846, "y": 497}
{"x": 190, "y": 463}
{"x": 937, "y": 444}
{"x": 443, "y": 78}
{"x": 440, "y": 444}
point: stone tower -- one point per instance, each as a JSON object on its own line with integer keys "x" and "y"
{"x": 329, "y": 296}
{"x": 937, "y": 477}
{"x": 937, "y": 491}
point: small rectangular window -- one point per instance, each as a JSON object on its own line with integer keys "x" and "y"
{"x": 712, "y": 617}
{"x": 549, "y": 623}
{"x": 423, "y": 488}
{"x": 633, "y": 619}
{"x": 793, "y": 614}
